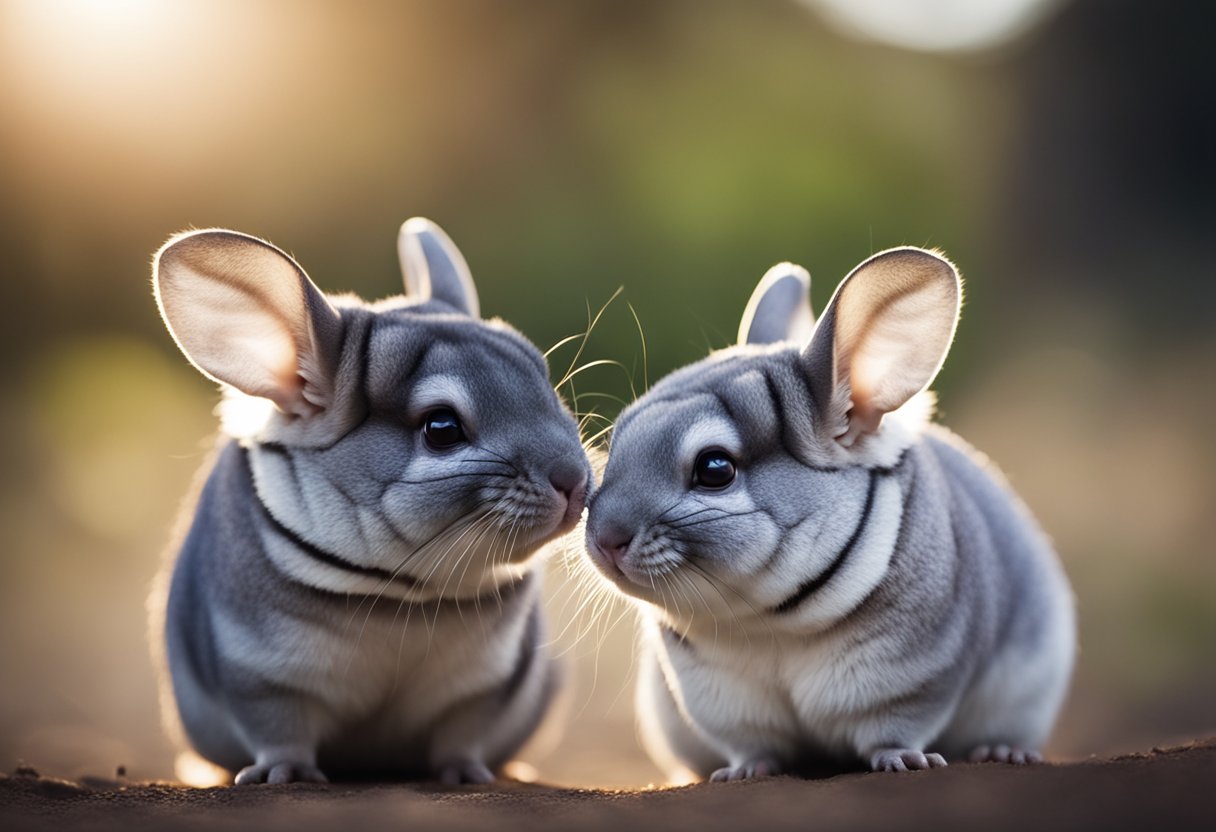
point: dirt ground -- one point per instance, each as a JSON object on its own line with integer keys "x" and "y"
{"x": 1162, "y": 789}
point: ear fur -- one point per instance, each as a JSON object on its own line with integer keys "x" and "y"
{"x": 247, "y": 315}
{"x": 882, "y": 339}
{"x": 779, "y": 308}
{"x": 434, "y": 268}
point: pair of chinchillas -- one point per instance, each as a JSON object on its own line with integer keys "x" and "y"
{"x": 822, "y": 575}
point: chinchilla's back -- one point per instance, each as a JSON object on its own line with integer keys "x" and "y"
{"x": 1031, "y": 578}
{"x": 1025, "y": 637}
{"x": 971, "y": 571}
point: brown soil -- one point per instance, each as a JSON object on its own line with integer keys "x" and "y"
{"x": 1163, "y": 789}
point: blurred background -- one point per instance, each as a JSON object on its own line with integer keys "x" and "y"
{"x": 1063, "y": 152}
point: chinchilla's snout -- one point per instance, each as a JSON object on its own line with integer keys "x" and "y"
{"x": 570, "y": 477}
{"x": 609, "y": 536}
{"x": 608, "y": 547}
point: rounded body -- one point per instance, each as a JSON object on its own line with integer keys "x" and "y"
{"x": 378, "y": 686}
{"x": 966, "y": 639}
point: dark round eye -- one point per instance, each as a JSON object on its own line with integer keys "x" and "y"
{"x": 714, "y": 469}
{"x": 442, "y": 429}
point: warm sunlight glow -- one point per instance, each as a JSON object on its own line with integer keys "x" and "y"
{"x": 134, "y": 76}
{"x": 113, "y": 36}
{"x": 193, "y": 770}
{"x": 521, "y": 771}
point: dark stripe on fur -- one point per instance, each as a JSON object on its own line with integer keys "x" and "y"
{"x": 318, "y": 554}
{"x": 815, "y": 584}
{"x": 774, "y": 393}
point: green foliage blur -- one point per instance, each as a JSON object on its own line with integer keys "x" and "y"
{"x": 676, "y": 149}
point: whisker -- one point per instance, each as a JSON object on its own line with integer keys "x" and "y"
{"x": 714, "y": 584}
{"x": 645, "y": 357}
{"x": 596, "y": 436}
{"x": 723, "y": 516}
{"x": 462, "y": 521}
{"x": 460, "y": 475}
{"x": 591, "y": 323}
{"x": 563, "y": 342}
{"x": 684, "y": 517}
{"x": 599, "y": 362}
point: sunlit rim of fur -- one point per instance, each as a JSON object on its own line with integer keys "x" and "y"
{"x": 243, "y": 416}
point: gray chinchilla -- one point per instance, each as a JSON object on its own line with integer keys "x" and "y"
{"x": 355, "y": 593}
{"x": 825, "y": 576}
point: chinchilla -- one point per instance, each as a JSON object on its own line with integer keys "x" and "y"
{"x": 826, "y": 578}
{"x": 356, "y": 593}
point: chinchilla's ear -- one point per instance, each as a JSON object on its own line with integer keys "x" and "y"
{"x": 434, "y": 268}
{"x": 882, "y": 339}
{"x": 779, "y": 308}
{"x": 247, "y": 315}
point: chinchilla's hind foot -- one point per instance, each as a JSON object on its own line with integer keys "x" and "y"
{"x": 284, "y": 771}
{"x": 747, "y": 771}
{"x": 904, "y": 759}
{"x": 465, "y": 772}
{"x": 1004, "y": 754}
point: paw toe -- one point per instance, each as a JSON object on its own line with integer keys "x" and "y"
{"x": 279, "y": 773}
{"x": 465, "y": 773}
{"x": 905, "y": 759}
{"x": 762, "y": 768}
{"x": 1002, "y": 753}
{"x": 251, "y": 774}
{"x": 746, "y": 771}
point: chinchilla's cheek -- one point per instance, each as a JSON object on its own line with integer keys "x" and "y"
{"x": 739, "y": 546}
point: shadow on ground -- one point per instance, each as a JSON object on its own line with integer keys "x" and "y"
{"x": 1162, "y": 789}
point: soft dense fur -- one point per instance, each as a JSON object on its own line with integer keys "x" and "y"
{"x": 349, "y": 599}
{"x": 867, "y": 590}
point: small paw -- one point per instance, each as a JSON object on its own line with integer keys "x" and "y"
{"x": 1004, "y": 754}
{"x": 904, "y": 759}
{"x": 747, "y": 771}
{"x": 465, "y": 772}
{"x": 284, "y": 771}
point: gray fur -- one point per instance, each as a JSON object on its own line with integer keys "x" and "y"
{"x": 867, "y": 589}
{"x": 348, "y": 601}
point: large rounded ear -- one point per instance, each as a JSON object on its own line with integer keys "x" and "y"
{"x": 779, "y": 308}
{"x": 247, "y": 315}
{"x": 882, "y": 339}
{"x": 434, "y": 268}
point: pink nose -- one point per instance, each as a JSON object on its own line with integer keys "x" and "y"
{"x": 612, "y": 544}
{"x": 570, "y": 480}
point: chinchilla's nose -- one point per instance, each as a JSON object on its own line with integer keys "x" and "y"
{"x": 568, "y": 477}
{"x": 611, "y": 542}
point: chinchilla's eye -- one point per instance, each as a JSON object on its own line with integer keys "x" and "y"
{"x": 441, "y": 429}
{"x": 713, "y": 470}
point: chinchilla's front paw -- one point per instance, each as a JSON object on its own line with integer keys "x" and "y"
{"x": 762, "y": 767}
{"x": 904, "y": 759}
{"x": 464, "y": 772}
{"x": 1004, "y": 754}
{"x": 281, "y": 771}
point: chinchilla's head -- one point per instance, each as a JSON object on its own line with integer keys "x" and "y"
{"x": 407, "y": 438}
{"x": 733, "y": 486}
